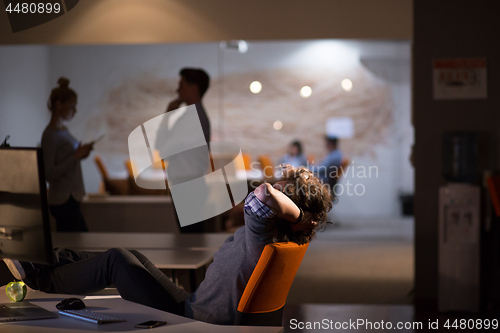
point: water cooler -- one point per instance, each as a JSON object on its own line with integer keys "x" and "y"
{"x": 459, "y": 226}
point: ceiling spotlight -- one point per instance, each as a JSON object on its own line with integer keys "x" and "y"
{"x": 255, "y": 87}
{"x": 277, "y": 125}
{"x": 346, "y": 84}
{"x": 306, "y": 91}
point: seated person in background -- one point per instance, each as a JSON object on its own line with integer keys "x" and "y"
{"x": 329, "y": 168}
{"x": 294, "y": 155}
{"x": 292, "y": 210}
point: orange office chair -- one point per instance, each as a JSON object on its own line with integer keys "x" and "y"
{"x": 113, "y": 186}
{"x": 101, "y": 167}
{"x": 134, "y": 188}
{"x": 156, "y": 157}
{"x": 265, "y": 295}
{"x": 247, "y": 160}
{"x": 266, "y": 166}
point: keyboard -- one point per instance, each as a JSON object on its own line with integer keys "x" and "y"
{"x": 96, "y": 318}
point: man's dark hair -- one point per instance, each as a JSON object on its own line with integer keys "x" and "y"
{"x": 333, "y": 140}
{"x": 196, "y": 76}
{"x": 308, "y": 193}
{"x": 297, "y": 144}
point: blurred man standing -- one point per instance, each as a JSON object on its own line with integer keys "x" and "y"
{"x": 193, "y": 84}
{"x": 192, "y": 164}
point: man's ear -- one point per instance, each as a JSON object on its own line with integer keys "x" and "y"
{"x": 194, "y": 87}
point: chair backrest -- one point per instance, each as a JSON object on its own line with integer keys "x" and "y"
{"x": 494, "y": 188}
{"x": 266, "y": 165}
{"x": 265, "y": 295}
{"x": 101, "y": 167}
{"x": 247, "y": 160}
{"x": 112, "y": 186}
{"x": 134, "y": 189}
{"x": 130, "y": 166}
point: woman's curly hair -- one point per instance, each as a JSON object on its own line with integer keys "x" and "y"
{"x": 308, "y": 193}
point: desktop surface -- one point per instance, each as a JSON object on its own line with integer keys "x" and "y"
{"x": 138, "y": 241}
{"x": 113, "y": 305}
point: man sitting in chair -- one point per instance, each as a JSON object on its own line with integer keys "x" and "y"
{"x": 292, "y": 210}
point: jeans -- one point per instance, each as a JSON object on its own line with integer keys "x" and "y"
{"x": 68, "y": 216}
{"x": 134, "y": 276}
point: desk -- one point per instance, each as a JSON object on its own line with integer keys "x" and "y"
{"x": 138, "y": 241}
{"x": 117, "y": 307}
{"x": 130, "y": 213}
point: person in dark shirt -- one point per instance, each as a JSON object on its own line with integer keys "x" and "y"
{"x": 62, "y": 154}
{"x": 193, "y": 85}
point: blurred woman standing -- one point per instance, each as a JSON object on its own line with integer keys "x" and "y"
{"x": 62, "y": 154}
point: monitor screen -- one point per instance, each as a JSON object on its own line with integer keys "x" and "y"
{"x": 24, "y": 216}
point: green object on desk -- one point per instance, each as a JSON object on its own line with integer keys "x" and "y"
{"x": 16, "y": 291}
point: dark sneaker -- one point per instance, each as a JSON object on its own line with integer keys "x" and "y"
{"x": 15, "y": 268}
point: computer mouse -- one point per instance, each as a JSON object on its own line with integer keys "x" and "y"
{"x": 70, "y": 304}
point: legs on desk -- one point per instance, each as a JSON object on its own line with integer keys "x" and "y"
{"x": 177, "y": 293}
{"x": 134, "y": 276}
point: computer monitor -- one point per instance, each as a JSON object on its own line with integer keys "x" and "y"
{"x": 24, "y": 216}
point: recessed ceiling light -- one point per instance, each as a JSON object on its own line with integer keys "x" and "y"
{"x": 346, "y": 84}
{"x": 306, "y": 91}
{"x": 255, "y": 87}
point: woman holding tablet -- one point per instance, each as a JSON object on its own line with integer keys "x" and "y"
{"x": 62, "y": 154}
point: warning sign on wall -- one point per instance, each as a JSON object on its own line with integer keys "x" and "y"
{"x": 460, "y": 78}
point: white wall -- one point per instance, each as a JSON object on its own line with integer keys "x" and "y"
{"x": 24, "y": 90}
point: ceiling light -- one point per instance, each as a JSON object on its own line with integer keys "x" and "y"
{"x": 306, "y": 91}
{"x": 277, "y": 125}
{"x": 255, "y": 87}
{"x": 346, "y": 84}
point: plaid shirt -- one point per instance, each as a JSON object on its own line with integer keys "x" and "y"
{"x": 256, "y": 206}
